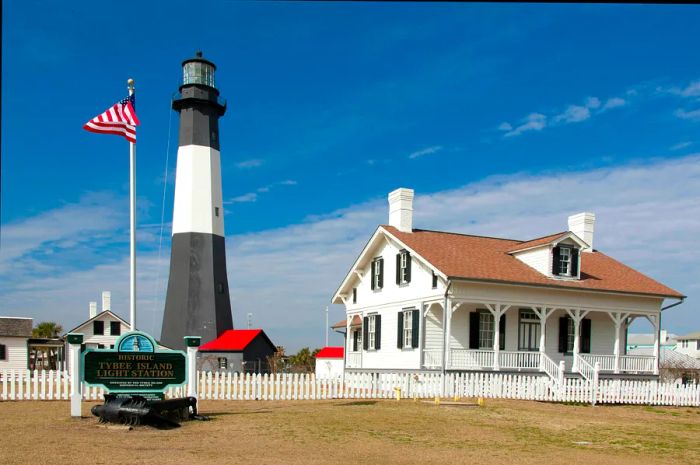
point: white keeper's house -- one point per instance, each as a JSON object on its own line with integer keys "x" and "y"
{"x": 550, "y": 305}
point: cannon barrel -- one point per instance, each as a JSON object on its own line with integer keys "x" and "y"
{"x": 136, "y": 410}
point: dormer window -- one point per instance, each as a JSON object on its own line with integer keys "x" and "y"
{"x": 565, "y": 261}
{"x": 403, "y": 267}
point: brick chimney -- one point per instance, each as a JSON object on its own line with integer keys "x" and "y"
{"x": 401, "y": 209}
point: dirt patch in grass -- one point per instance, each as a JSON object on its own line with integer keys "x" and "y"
{"x": 360, "y": 432}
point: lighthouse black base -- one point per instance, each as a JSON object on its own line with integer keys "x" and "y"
{"x": 197, "y": 302}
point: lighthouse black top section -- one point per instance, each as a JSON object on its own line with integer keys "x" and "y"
{"x": 199, "y": 104}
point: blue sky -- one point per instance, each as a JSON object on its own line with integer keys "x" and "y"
{"x": 330, "y": 107}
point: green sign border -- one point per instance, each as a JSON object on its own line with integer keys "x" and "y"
{"x": 116, "y": 345}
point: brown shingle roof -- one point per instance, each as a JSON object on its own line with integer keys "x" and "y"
{"x": 536, "y": 242}
{"x": 487, "y": 259}
{"x": 17, "y": 327}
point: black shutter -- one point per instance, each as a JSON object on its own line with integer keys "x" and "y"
{"x": 585, "y": 336}
{"x": 574, "y": 262}
{"x": 408, "y": 267}
{"x": 380, "y": 264}
{"x": 3, "y": 352}
{"x": 378, "y": 332}
{"x": 365, "y": 333}
{"x": 556, "y": 261}
{"x": 398, "y": 269}
{"x": 474, "y": 330}
{"x": 354, "y": 340}
{"x": 415, "y": 328}
{"x": 399, "y": 331}
{"x": 502, "y": 331}
{"x": 563, "y": 329}
{"x": 374, "y": 266}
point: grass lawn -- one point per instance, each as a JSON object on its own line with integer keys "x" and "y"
{"x": 360, "y": 432}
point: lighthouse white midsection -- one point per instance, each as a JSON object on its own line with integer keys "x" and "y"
{"x": 198, "y": 201}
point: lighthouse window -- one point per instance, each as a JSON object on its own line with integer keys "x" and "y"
{"x": 220, "y": 288}
{"x": 216, "y": 211}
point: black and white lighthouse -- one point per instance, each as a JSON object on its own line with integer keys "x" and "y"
{"x": 197, "y": 302}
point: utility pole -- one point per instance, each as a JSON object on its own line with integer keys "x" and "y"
{"x": 250, "y": 320}
{"x": 326, "y": 326}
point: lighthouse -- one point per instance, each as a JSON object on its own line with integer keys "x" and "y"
{"x": 197, "y": 302}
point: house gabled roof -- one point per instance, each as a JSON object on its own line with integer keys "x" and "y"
{"x": 546, "y": 240}
{"x": 234, "y": 340}
{"x": 479, "y": 258}
{"x": 330, "y": 352}
{"x": 691, "y": 336}
{"x": 12, "y": 326}
{"x": 99, "y": 314}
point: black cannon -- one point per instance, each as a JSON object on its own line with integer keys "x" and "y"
{"x": 135, "y": 410}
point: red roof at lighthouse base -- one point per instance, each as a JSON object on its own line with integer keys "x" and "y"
{"x": 330, "y": 352}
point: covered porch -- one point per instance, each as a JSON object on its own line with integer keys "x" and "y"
{"x": 498, "y": 336}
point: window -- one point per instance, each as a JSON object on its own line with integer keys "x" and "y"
{"x": 3, "y": 352}
{"x": 115, "y": 328}
{"x": 223, "y": 363}
{"x": 529, "y": 331}
{"x": 570, "y": 335}
{"x": 403, "y": 268}
{"x": 684, "y": 344}
{"x": 377, "y": 274}
{"x": 486, "y": 330}
{"x": 98, "y": 328}
{"x": 407, "y": 329}
{"x": 354, "y": 295}
{"x": 100, "y": 346}
{"x": 111, "y": 346}
{"x": 356, "y": 340}
{"x": 216, "y": 211}
{"x": 220, "y": 288}
{"x": 372, "y": 332}
{"x": 564, "y": 261}
{"x": 567, "y": 335}
{"x": 435, "y": 280}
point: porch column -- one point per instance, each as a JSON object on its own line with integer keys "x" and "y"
{"x": 655, "y": 320}
{"x": 497, "y": 310}
{"x": 577, "y": 315}
{"x": 618, "y": 319}
{"x": 446, "y": 317}
{"x": 543, "y": 313}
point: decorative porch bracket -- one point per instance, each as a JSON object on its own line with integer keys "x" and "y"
{"x": 543, "y": 313}
{"x": 618, "y": 318}
{"x": 497, "y": 310}
{"x": 576, "y": 314}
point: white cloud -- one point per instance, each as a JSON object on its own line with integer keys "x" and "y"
{"x": 533, "y": 122}
{"x": 693, "y": 115}
{"x": 425, "y": 151}
{"x": 254, "y": 163}
{"x": 689, "y": 91}
{"x": 288, "y": 182}
{"x": 573, "y": 114}
{"x": 505, "y": 126}
{"x": 245, "y": 198}
{"x": 681, "y": 145}
{"x": 614, "y": 102}
{"x": 648, "y": 216}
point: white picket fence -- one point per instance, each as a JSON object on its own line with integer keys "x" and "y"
{"x": 50, "y": 385}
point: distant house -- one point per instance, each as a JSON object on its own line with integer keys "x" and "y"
{"x": 329, "y": 363}
{"x": 689, "y": 344}
{"x": 646, "y": 340}
{"x": 674, "y": 367}
{"x": 14, "y": 334}
{"x": 418, "y": 299}
{"x": 101, "y": 330}
{"x": 239, "y": 350}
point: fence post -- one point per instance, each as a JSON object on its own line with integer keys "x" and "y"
{"x": 594, "y": 384}
{"x": 74, "y": 341}
{"x": 192, "y": 343}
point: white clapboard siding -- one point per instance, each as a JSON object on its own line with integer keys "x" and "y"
{"x": 16, "y": 385}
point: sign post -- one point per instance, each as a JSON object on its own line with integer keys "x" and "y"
{"x": 192, "y": 343}
{"x": 74, "y": 341}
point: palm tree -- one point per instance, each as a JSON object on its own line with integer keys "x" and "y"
{"x": 47, "y": 329}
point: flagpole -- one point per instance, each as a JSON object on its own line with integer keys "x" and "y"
{"x": 132, "y": 218}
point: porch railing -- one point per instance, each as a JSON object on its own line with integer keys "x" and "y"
{"x": 471, "y": 359}
{"x": 519, "y": 360}
{"x": 432, "y": 358}
{"x": 585, "y": 368}
{"x": 550, "y": 367}
{"x": 628, "y": 363}
{"x": 354, "y": 360}
{"x": 637, "y": 363}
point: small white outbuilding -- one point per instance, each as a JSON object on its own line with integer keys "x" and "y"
{"x": 329, "y": 363}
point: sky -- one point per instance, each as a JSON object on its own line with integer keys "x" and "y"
{"x": 505, "y": 119}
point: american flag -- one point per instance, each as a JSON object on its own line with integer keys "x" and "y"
{"x": 120, "y": 120}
